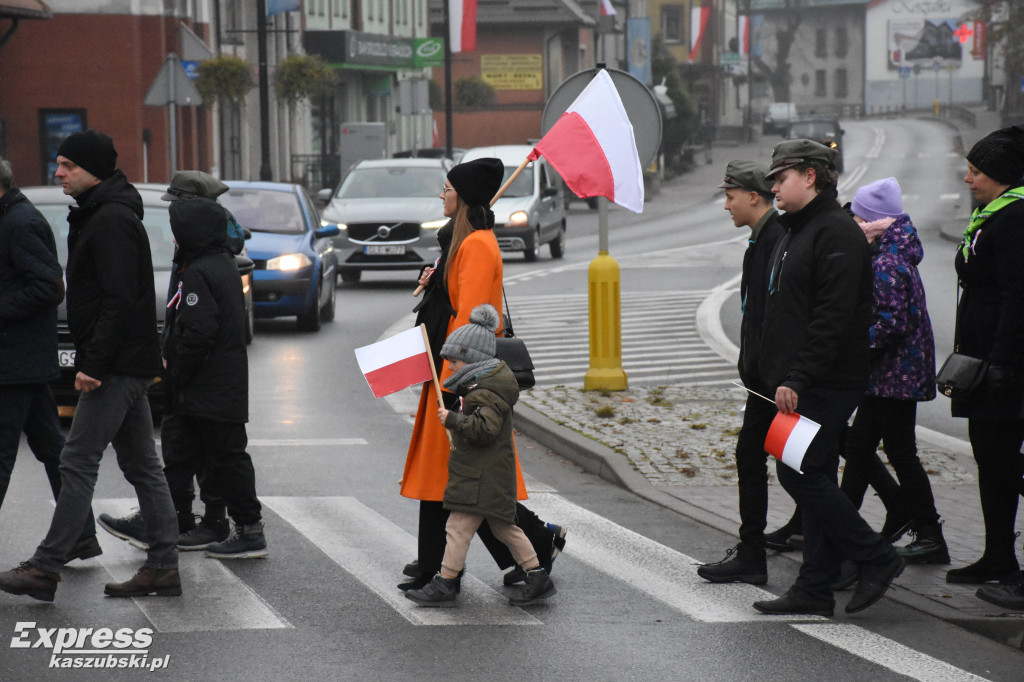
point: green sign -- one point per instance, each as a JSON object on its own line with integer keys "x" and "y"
{"x": 428, "y": 52}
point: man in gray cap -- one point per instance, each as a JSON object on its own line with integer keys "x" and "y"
{"x": 814, "y": 359}
{"x": 749, "y": 199}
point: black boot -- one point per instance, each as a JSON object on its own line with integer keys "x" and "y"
{"x": 438, "y": 592}
{"x": 928, "y": 547}
{"x": 789, "y": 537}
{"x": 538, "y": 586}
{"x": 743, "y": 564}
{"x": 985, "y": 569}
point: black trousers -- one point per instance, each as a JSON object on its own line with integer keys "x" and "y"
{"x": 174, "y": 454}
{"x": 432, "y": 537}
{"x": 996, "y": 446}
{"x": 752, "y": 469}
{"x": 220, "y": 448}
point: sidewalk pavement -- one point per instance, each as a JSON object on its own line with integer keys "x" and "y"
{"x": 674, "y": 445}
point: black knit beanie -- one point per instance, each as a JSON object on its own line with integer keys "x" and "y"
{"x": 1000, "y": 155}
{"x": 477, "y": 181}
{"x": 92, "y": 151}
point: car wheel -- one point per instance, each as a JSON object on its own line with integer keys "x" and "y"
{"x": 351, "y": 276}
{"x": 250, "y": 322}
{"x": 327, "y": 312}
{"x": 558, "y": 245}
{"x": 532, "y": 252}
{"x": 309, "y": 321}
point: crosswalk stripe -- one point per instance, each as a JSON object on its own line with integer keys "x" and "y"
{"x": 370, "y": 547}
{"x": 213, "y": 597}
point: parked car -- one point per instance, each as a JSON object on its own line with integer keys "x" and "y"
{"x": 388, "y": 212}
{"x": 531, "y": 212}
{"x": 778, "y": 118}
{"x": 823, "y": 129}
{"x": 53, "y": 204}
{"x": 295, "y": 262}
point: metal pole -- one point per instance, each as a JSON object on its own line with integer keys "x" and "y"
{"x": 447, "y": 82}
{"x": 261, "y": 44}
{"x": 173, "y": 114}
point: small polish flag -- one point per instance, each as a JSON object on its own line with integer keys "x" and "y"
{"x": 593, "y": 148}
{"x": 396, "y": 363}
{"x": 462, "y": 25}
{"x": 699, "y": 18}
{"x": 607, "y": 10}
{"x": 789, "y": 437}
{"x": 743, "y": 34}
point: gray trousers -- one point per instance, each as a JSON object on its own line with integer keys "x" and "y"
{"x": 116, "y": 413}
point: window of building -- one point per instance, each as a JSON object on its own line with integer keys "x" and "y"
{"x": 820, "y": 88}
{"x": 842, "y": 42}
{"x": 672, "y": 23}
{"x": 820, "y": 39}
{"x": 842, "y": 89}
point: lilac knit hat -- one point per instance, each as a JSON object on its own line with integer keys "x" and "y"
{"x": 880, "y": 199}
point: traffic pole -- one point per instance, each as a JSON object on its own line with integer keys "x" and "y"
{"x": 605, "y": 371}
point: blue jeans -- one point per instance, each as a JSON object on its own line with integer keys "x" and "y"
{"x": 116, "y": 413}
{"x": 31, "y": 408}
{"x": 833, "y": 529}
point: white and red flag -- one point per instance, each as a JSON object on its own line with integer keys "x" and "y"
{"x": 789, "y": 437}
{"x": 462, "y": 25}
{"x": 699, "y": 18}
{"x": 593, "y": 148}
{"x": 607, "y": 10}
{"x": 396, "y": 362}
{"x": 743, "y": 34}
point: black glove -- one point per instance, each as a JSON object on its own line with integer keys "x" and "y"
{"x": 1001, "y": 379}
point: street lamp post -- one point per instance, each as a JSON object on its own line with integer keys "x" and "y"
{"x": 261, "y": 46}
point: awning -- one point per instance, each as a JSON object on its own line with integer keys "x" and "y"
{"x": 24, "y": 9}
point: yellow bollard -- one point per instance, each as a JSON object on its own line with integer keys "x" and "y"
{"x": 936, "y": 107}
{"x": 605, "y": 371}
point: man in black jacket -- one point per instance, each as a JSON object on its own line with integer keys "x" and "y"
{"x": 31, "y": 286}
{"x": 749, "y": 199}
{"x": 112, "y": 316}
{"x": 814, "y": 359}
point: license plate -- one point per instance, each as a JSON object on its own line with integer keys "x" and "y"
{"x": 66, "y": 358}
{"x": 385, "y": 250}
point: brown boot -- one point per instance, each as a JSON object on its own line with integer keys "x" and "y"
{"x": 27, "y": 579}
{"x": 162, "y": 582}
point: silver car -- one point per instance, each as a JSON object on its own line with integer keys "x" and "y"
{"x": 388, "y": 211}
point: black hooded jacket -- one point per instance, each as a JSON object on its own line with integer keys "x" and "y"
{"x": 110, "y": 299}
{"x": 207, "y": 363}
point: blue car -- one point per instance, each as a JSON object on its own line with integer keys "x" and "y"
{"x": 296, "y": 264}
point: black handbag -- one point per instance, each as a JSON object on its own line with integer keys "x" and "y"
{"x": 960, "y": 375}
{"x": 511, "y": 349}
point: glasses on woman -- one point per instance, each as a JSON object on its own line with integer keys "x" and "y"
{"x": 446, "y": 189}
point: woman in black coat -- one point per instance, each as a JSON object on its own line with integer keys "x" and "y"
{"x": 990, "y": 325}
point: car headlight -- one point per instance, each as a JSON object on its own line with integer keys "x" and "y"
{"x": 341, "y": 226}
{"x": 289, "y": 262}
{"x": 519, "y": 219}
{"x": 434, "y": 224}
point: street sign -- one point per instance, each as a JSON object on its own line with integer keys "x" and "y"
{"x": 172, "y": 86}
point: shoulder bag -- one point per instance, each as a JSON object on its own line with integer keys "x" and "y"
{"x": 960, "y": 375}
{"x": 512, "y": 351}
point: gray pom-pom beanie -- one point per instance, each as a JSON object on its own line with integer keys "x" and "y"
{"x": 473, "y": 342}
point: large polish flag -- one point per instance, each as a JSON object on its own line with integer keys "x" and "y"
{"x": 593, "y": 148}
{"x": 699, "y": 18}
{"x": 462, "y": 25}
{"x": 396, "y": 363}
{"x": 788, "y": 438}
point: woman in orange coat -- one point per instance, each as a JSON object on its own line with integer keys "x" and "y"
{"x": 468, "y": 274}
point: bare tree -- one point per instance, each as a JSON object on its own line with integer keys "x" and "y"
{"x": 785, "y": 35}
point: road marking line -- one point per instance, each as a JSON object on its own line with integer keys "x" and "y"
{"x": 213, "y": 597}
{"x": 898, "y": 658}
{"x": 372, "y": 549}
{"x": 949, "y": 196}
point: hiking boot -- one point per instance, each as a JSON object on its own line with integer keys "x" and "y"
{"x": 159, "y": 582}
{"x": 131, "y": 528}
{"x": 1009, "y": 595}
{"x": 796, "y": 601}
{"x": 874, "y": 580}
{"x": 928, "y": 547}
{"x": 204, "y": 534}
{"x": 984, "y": 570}
{"x": 85, "y": 548}
{"x": 27, "y": 579}
{"x": 439, "y": 592}
{"x": 424, "y": 579}
{"x": 514, "y": 577}
{"x": 245, "y": 542}
{"x": 538, "y": 586}
{"x": 742, "y": 564}
{"x": 781, "y": 540}
{"x": 847, "y": 576}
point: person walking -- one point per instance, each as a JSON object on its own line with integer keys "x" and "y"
{"x": 112, "y": 316}
{"x": 468, "y": 274}
{"x": 750, "y": 202}
{"x": 990, "y": 326}
{"x": 481, "y": 464}
{"x": 814, "y": 360}
{"x": 31, "y": 287}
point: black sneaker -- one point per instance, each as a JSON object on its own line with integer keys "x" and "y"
{"x": 873, "y": 583}
{"x": 796, "y": 602}
{"x": 204, "y": 534}
{"x": 514, "y": 577}
{"x": 848, "y": 575}
{"x": 742, "y": 564}
{"x": 439, "y": 592}
{"x": 131, "y": 528}
{"x": 781, "y": 540}
{"x": 245, "y": 542}
{"x": 1009, "y": 596}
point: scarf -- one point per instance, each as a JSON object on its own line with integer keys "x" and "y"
{"x": 983, "y": 213}
{"x": 470, "y": 371}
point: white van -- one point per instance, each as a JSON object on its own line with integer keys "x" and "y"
{"x": 531, "y": 212}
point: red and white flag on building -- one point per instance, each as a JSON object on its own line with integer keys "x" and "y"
{"x": 789, "y": 437}
{"x": 593, "y": 148}
{"x": 607, "y": 10}
{"x": 395, "y": 363}
{"x": 743, "y": 34}
{"x": 462, "y": 25}
{"x": 699, "y": 18}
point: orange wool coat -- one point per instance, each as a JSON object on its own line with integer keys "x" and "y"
{"x": 474, "y": 279}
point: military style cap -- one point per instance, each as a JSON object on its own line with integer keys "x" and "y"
{"x": 194, "y": 183}
{"x": 748, "y": 175}
{"x": 795, "y": 152}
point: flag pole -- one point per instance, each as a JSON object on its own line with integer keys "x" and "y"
{"x": 736, "y": 383}
{"x": 433, "y": 373}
